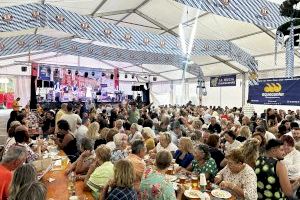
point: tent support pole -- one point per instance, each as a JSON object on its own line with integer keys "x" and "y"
{"x": 243, "y": 88}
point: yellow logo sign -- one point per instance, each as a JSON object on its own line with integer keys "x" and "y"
{"x": 272, "y": 87}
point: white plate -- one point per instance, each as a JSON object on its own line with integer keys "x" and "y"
{"x": 223, "y": 194}
{"x": 171, "y": 178}
{"x": 192, "y": 194}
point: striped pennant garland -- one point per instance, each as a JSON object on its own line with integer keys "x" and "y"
{"x": 37, "y": 15}
{"x": 259, "y": 12}
{"x": 289, "y": 57}
{"x": 63, "y": 20}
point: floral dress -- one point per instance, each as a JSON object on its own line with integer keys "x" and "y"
{"x": 155, "y": 186}
{"x": 209, "y": 167}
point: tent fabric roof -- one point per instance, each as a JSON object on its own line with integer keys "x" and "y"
{"x": 161, "y": 17}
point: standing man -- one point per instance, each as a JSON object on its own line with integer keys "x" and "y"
{"x": 59, "y": 114}
{"x": 14, "y": 158}
{"x": 16, "y": 106}
{"x": 134, "y": 112}
{"x": 72, "y": 118}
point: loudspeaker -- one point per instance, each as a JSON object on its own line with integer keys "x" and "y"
{"x": 69, "y": 71}
{"x": 86, "y": 74}
{"x": 130, "y": 97}
{"x": 154, "y": 78}
{"x": 24, "y": 69}
{"x": 76, "y": 73}
{"x": 52, "y": 84}
{"x": 98, "y": 93}
{"x": 39, "y": 83}
{"x": 46, "y": 84}
{"x": 111, "y": 76}
{"x": 93, "y": 73}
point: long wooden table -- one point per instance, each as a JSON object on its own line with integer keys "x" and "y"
{"x": 58, "y": 189}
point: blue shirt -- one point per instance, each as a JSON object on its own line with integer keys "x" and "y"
{"x": 186, "y": 161}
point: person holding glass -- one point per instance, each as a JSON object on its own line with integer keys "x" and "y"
{"x": 238, "y": 177}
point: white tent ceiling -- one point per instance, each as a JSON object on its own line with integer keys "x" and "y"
{"x": 160, "y": 17}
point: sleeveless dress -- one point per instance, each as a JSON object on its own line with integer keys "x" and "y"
{"x": 71, "y": 150}
{"x": 268, "y": 186}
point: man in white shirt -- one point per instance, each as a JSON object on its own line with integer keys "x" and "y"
{"x": 81, "y": 131}
{"x": 71, "y": 118}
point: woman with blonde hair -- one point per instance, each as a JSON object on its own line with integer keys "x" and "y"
{"x": 244, "y": 134}
{"x": 165, "y": 143}
{"x": 122, "y": 184}
{"x": 26, "y": 174}
{"x": 93, "y": 132}
{"x": 120, "y": 151}
{"x": 250, "y": 151}
{"x": 134, "y": 133}
{"x": 119, "y": 125}
{"x": 102, "y": 137}
{"x": 33, "y": 191}
{"x": 100, "y": 171}
{"x": 184, "y": 153}
{"x": 148, "y": 136}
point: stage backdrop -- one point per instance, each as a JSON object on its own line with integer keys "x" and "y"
{"x": 71, "y": 82}
{"x": 279, "y": 91}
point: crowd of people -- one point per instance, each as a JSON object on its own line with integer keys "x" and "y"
{"x": 252, "y": 156}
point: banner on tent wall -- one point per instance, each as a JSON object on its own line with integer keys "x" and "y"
{"x": 44, "y": 72}
{"x": 279, "y": 91}
{"x": 222, "y": 81}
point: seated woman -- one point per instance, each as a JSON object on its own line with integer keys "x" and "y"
{"x": 213, "y": 143}
{"x": 262, "y": 142}
{"x": 120, "y": 151}
{"x": 121, "y": 187}
{"x": 231, "y": 142}
{"x": 24, "y": 175}
{"x": 22, "y": 139}
{"x": 66, "y": 140}
{"x": 203, "y": 163}
{"x": 165, "y": 143}
{"x": 250, "y": 151}
{"x": 11, "y": 135}
{"x": 100, "y": 172}
{"x": 148, "y": 136}
{"x": 154, "y": 184}
{"x": 33, "y": 191}
{"x": 102, "y": 137}
{"x": 83, "y": 163}
{"x": 93, "y": 132}
{"x": 243, "y": 133}
{"x": 238, "y": 177}
{"x": 134, "y": 133}
{"x": 184, "y": 153}
{"x": 110, "y": 139}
